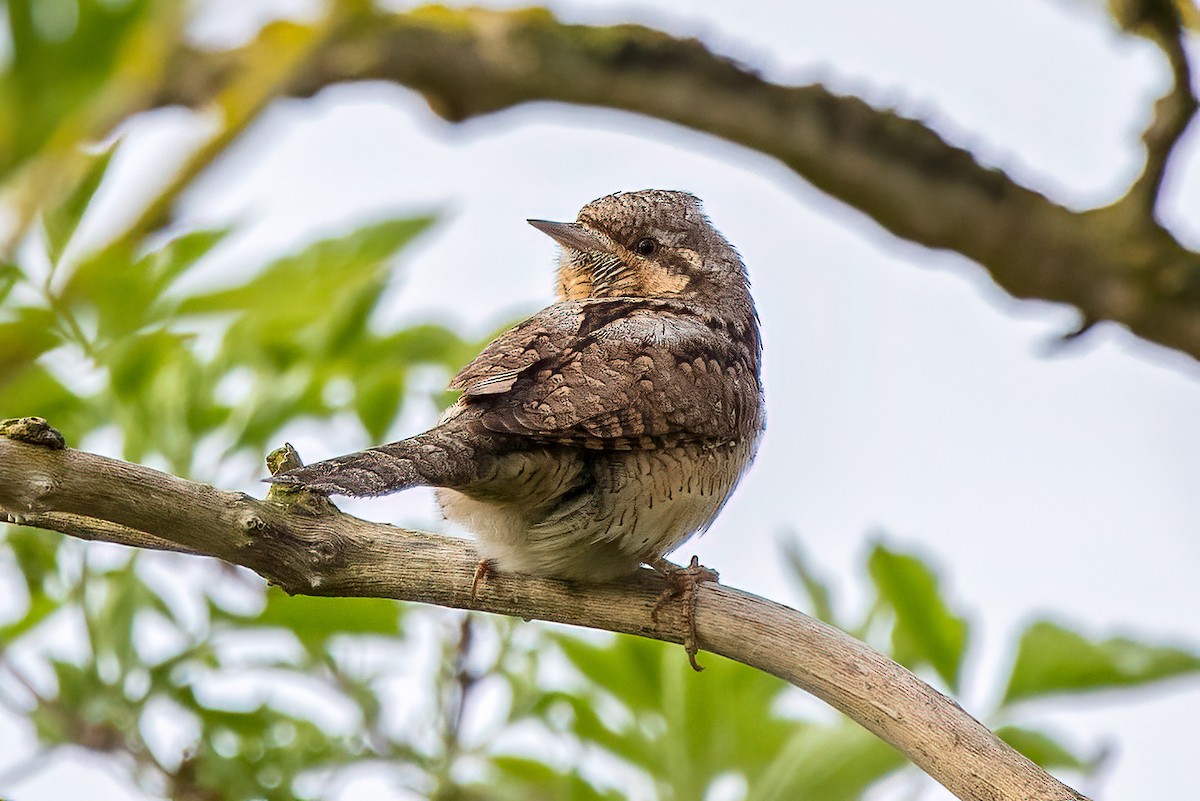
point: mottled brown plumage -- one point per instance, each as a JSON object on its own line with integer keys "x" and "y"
{"x": 605, "y": 430}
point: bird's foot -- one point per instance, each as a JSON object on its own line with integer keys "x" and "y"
{"x": 484, "y": 568}
{"x": 681, "y": 583}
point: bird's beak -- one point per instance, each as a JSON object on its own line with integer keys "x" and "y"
{"x": 573, "y": 235}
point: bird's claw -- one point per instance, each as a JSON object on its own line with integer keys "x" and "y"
{"x": 483, "y": 569}
{"x": 681, "y": 583}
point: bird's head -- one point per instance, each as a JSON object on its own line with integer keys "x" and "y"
{"x": 653, "y": 243}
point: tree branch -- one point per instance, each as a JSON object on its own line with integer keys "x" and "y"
{"x": 1115, "y": 263}
{"x": 315, "y": 550}
{"x": 93, "y": 530}
{"x": 1160, "y": 21}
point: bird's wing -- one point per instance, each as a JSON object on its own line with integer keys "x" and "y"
{"x": 600, "y": 374}
{"x": 543, "y": 336}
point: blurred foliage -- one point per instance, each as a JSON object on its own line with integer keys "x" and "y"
{"x": 146, "y": 338}
{"x": 614, "y": 713}
{"x": 1052, "y": 659}
{"x": 926, "y": 631}
{"x": 67, "y": 57}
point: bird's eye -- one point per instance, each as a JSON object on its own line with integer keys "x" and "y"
{"x": 646, "y": 246}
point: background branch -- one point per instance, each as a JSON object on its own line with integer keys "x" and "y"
{"x": 329, "y": 553}
{"x": 1115, "y": 263}
{"x": 1160, "y": 22}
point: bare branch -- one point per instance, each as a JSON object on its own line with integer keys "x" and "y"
{"x": 1159, "y": 21}
{"x": 87, "y": 528}
{"x": 330, "y": 553}
{"x": 1113, "y": 263}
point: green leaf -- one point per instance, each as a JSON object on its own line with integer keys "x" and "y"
{"x": 168, "y": 263}
{"x": 36, "y": 555}
{"x": 315, "y": 619}
{"x": 112, "y": 623}
{"x": 258, "y": 753}
{"x": 525, "y": 770}
{"x": 134, "y": 363}
{"x": 157, "y": 377}
{"x": 533, "y": 780}
{"x": 60, "y": 223}
{"x": 25, "y": 335}
{"x": 126, "y": 294}
{"x": 619, "y": 664}
{"x": 726, "y": 716}
{"x": 80, "y": 697}
{"x": 1041, "y": 748}
{"x": 294, "y": 394}
{"x": 41, "y": 606}
{"x": 10, "y": 274}
{"x": 63, "y": 52}
{"x": 300, "y": 326}
{"x": 427, "y": 343}
{"x": 1053, "y": 659}
{"x": 586, "y": 724}
{"x": 113, "y": 289}
{"x": 377, "y": 399}
{"x": 35, "y": 392}
{"x": 831, "y": 763}
{"x": 816, "y": 589}
{"x": 685, "y": 728}
{"x": 381, "y": 364}
{"x": 926, "y": 630}
{"x": 315, "y": 280}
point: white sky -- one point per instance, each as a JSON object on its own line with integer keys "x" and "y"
{"x": 905, "y": 393}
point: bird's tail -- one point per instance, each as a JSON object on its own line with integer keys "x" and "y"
{"x": 441, "y": 457}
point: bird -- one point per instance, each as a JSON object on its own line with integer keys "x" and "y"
{"x": 607, "y": 429}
